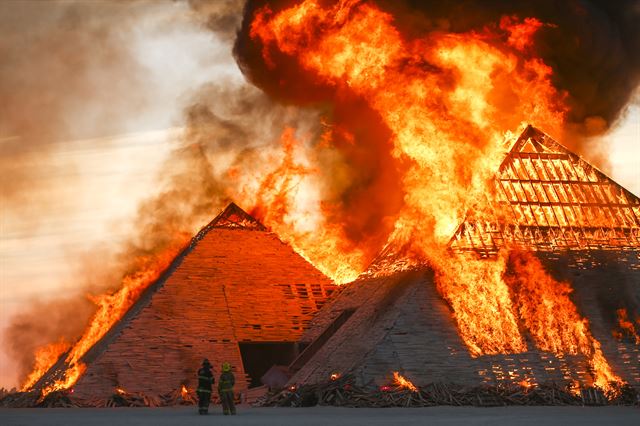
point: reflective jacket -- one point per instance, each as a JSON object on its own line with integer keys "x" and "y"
{"x": 205, "y": 380}
{"x": 227, "y": 380}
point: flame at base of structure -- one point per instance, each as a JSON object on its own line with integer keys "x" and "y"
{"x": 111, "y": 308}
{"x": 553, "y": 320}
{"x": 71, "y": 376}
{"x": 495, "y": 300}
{"x": 403, "y": 383}
{"x": 45, "y": 357}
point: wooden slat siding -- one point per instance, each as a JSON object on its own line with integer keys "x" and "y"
{"x": 423, "y": 342}
{"x": 331, "y": 309}
{"x": 417, "y": 335}
{"x": 315, "y": 346}
{"x": 236, "y": 285}
{"x": 347, "y": 349}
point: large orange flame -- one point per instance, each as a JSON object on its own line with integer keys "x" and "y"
{"x": 553, "y": 320}
{"x": 111, "y": 308}
{"x": 482, "y": 305}
{"x": 444, "y": 98}
{"x": 286, "y": 198}
{"x": 450, "y": 102}
{"x": 45, "y": 357}
{"x": 453, "y": 103}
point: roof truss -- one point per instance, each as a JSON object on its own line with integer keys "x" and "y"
{"x": 548, "y": 198}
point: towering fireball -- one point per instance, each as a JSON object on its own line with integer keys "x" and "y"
{"x": 451, "y": 102}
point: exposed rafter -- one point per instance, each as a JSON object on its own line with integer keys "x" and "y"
{"x": 547, "y": 198}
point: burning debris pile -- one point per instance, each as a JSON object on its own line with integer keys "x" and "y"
{"x": 345, "y": 392}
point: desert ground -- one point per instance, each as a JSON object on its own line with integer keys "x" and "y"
{"x": 521, "y": 416}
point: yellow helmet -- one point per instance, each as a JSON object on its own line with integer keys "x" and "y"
{"x": 226, "y": 366}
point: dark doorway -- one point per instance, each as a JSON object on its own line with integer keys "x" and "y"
{"x": 258, "y": 358}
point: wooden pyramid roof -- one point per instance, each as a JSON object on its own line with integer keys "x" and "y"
{"x": 383, "y": 323}
{"x": 396, "y": 323}
{"x": 236, "y": 282}
{"x": 550, "y": 199}
{"x": 378, "y": 325}
{"x": 234, "y": 217}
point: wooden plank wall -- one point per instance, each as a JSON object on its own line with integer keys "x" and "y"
{"x": 374, "y": 300}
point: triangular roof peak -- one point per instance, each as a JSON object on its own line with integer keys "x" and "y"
{"x": 552, "y": 199}
{"x": 533, "y": 140}
{"x": 234, "y": 217}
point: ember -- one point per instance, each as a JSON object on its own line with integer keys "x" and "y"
{"x": 71, "y": 375}
{"x": 525, "y": 384}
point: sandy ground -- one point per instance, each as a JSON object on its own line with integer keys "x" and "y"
{"x": 317, "y": 416}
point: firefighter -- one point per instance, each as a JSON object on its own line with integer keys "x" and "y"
{"x": 225, "y": 389}
{"x": 205, "y": 382}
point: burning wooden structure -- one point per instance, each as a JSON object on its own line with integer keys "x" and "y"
{"x": 557, "y": 201}
{"x": 238, "y": 294}
{"x": 582, "y": 226}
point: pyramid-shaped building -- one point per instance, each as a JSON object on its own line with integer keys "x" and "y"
{"x": 237, "y": 294}
{"x": 555, "y": 201}
{"x": 583, "y": 226}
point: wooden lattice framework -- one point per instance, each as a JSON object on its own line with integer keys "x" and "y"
{"x": 547, "y": 198}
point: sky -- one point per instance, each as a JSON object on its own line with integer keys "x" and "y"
{"x": 100, "y": 180}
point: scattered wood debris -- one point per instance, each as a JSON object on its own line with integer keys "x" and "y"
{"x": 345, "y": 393}
{"x": 20, "y": 399}
{"x": 120, "y": 398}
